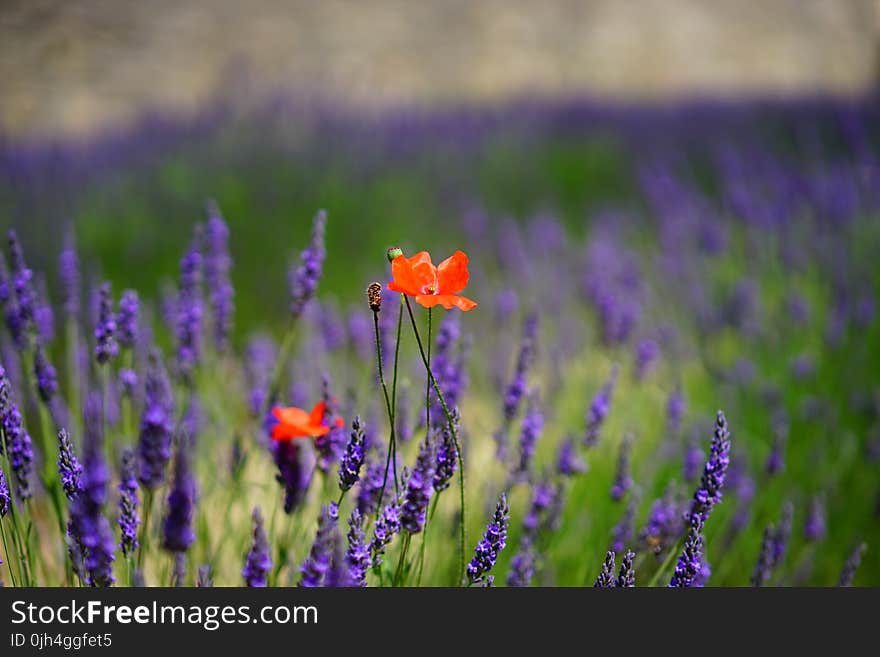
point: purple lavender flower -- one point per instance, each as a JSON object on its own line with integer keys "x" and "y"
{"x": 295, "y": 462}
{"x": 258, "y": 563}
{"x": 708, "y": 494}
{"x": 154, "y": 445}
{"x": 690, "y": 563}
{"x": 675, "y": 410}
{"x": 5, "y": 495}
{"x": 815, "y": 526}
{"x": 606, "y": 579}
{"x": 18, "y": 445}
{"x": 177, "y": 529}
{"x": 569, "y": 462}
{"x": 622, "y": 477}
{"x": 599, "y": 409}
{"x": 852, "y": 564}
{"x": 493, "y": 542}
{"x": 47, "y": 378}
{"x": 776, "y": 459}
{"x": 694, "y": 458}
{"x": 357, "y": 556}
{"x": 516, "y": 389}
{"x": 316, "y": 567}
{"x": 189, "y": 310}
{"x": 384, "y": 531}
{"x": 90, "y": 528}
{"x": 370, "y": 487}
{"x": 522, "y": 566}
{"x": 106, "y": 347}
{"x": 25, "y": 297}
{"x": 69, "y": 468}
{"x": 128, "y": 381}
{"x": 542, "y": 498}
{"x": 129, "y": 519}
{"x": 68, "y": 271}
{"x": 127, "y": 319}
{"x": 664, "y": 524}
{"x": 353, "y": 459}
{"x": 626, "y": 578}
{"x": 44, "y": 315}
{"x": 766, "y": 561}
{"x": 418, "y": 491}
{"x": 646, "y": 356}
{"x": 783, "y": 533}
{"x": 532, "y": 425}
{"x": 447, "y": 456}
{"x": 331, "y": 445}
{"x": 623, "y": 532}
{"x": 217, "y": 265}
{"x": 304, "y": 279}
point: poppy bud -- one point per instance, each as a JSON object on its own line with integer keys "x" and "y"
{"x": 374, "y": 296}
{"x": 394, "y": 252}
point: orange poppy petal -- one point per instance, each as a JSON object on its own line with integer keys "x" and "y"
{"x": 290, "y": 415}
{"x": 448, "y": 301}
{"x": 404, "y": 278}
{"x": 317, "y": 431}
{"x": 452, "y": 274}
{"x": 317, "y": 414}
{"x": 424, "y": 271}
{"x": 340, "y": 422}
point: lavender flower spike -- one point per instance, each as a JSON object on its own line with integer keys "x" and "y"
{"x": 127, "y": 319}
{"x": 815, "y": 526}
{"x": 25, "y": 296}
{"x": 258, "y": 563}
{"x": 47, "y": 378}
{"x": 709, "y": 492}
{"x": 189, "y": 310}
{"x": 18, "y": 445}
{"x": 766, "y": 561}
{"x": 385, "y": 529}
{"x": 106, "y": 347}
{"x": 418, "y": 492}
{"x": 217, "y": 265}
{"x": 690, "y": 563}
{"x": 569, "y": 463}
{"x": 317, "y": 565}
{"x": 304, "y": 279}
{"x": 129, "y": 520}
{"x": 69, "y": 468}
{"x": 599, "y": 409}
{"x": 492, "y": 543}
{"x": 532, "y": 425}
{"x": 626, "y": 578}
{"x": 851, "y": 566}
{"x": 353, "y": 459}
{"x": 606, "y": 579}
{"x": 154, "y": 443}
{"x": 5, "y": 495}
{"x": 446, "y": 461}
{"x": 357, "y": 557}
{"x": 622, "y": 478}
{"x": 177, "y": 530}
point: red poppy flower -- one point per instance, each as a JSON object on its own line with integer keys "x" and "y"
{"x": 418, "y": 277}
{"x": 296, "y": 423}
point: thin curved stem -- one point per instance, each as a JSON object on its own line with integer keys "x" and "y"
{"x": 390, "y": 406}
{"x": 452, "y": 431}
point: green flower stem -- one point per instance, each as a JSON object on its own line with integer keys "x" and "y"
{"x": 390, "y": 406}
{"x": 673, "y": 553}
{"x": 145, "y": 527}
{"x": 425, "y": 538}
{"x": 402, "y": 560}
{"x": 9, "y": 561}
{"x": 452, "y": 431}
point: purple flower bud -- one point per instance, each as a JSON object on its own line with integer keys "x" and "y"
{"x": 690, "y": 563}
{"x": 569, "y": 462}
{"x": 815, "y": 526}
{"x": 852, "y": 564}
{"x": 353, "y": 459}
{"x": 522, "y": 566}
{"x": 708, "y": 494}
{"x": 694, "y": 458}
{"x": 606, "y": 579}
{"x": 776, "y": 459}
{"x": 127, "y": 319}
{"x": 106, "y": 347}
{"x": 357, "y": 557}
{"x": 44, "y": 316}
{"x": 189, "y": 310}
{"x": 599, "y": 409}
{"x": 664, "y": 523}
{"x": 128, "y": 381}
{"x": 129, "y": 519}
{"x": 47, "y": 379}
{"x": 18, "y": 445}
{"x": 217, "y": 265}
{"x": 646, "y": 355}
{"x": 258, "y": 563}
{"x": 177, "y": 529}
{"x": 331, "y": 445}
{"x": 764, "y": 566}
{"x": 418, "y": 492}
{"x": 675, "y": 410}
{"x": 447, "y": 456}
{"x": 316, "y": 567}
{"x": 295, "y": 462}
{"x": 626, "y": 578}
{"x": 518, "y": 385}
{"x": 622, "y": 478}
{"x": 69, "y": 468}
{"x": 532, "y": 425}
{"x": 24, "y": 294}
{"x": 5, "y": 495}
{"x": 154, "y": 444}
{"x": 370, "y": 487}
{"x": 385, "y": 529}
{"x": 493, "y": 542}
{"x": 304, "y": 279}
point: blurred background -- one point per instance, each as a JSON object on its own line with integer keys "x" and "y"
{"x": 71, "y": 67}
